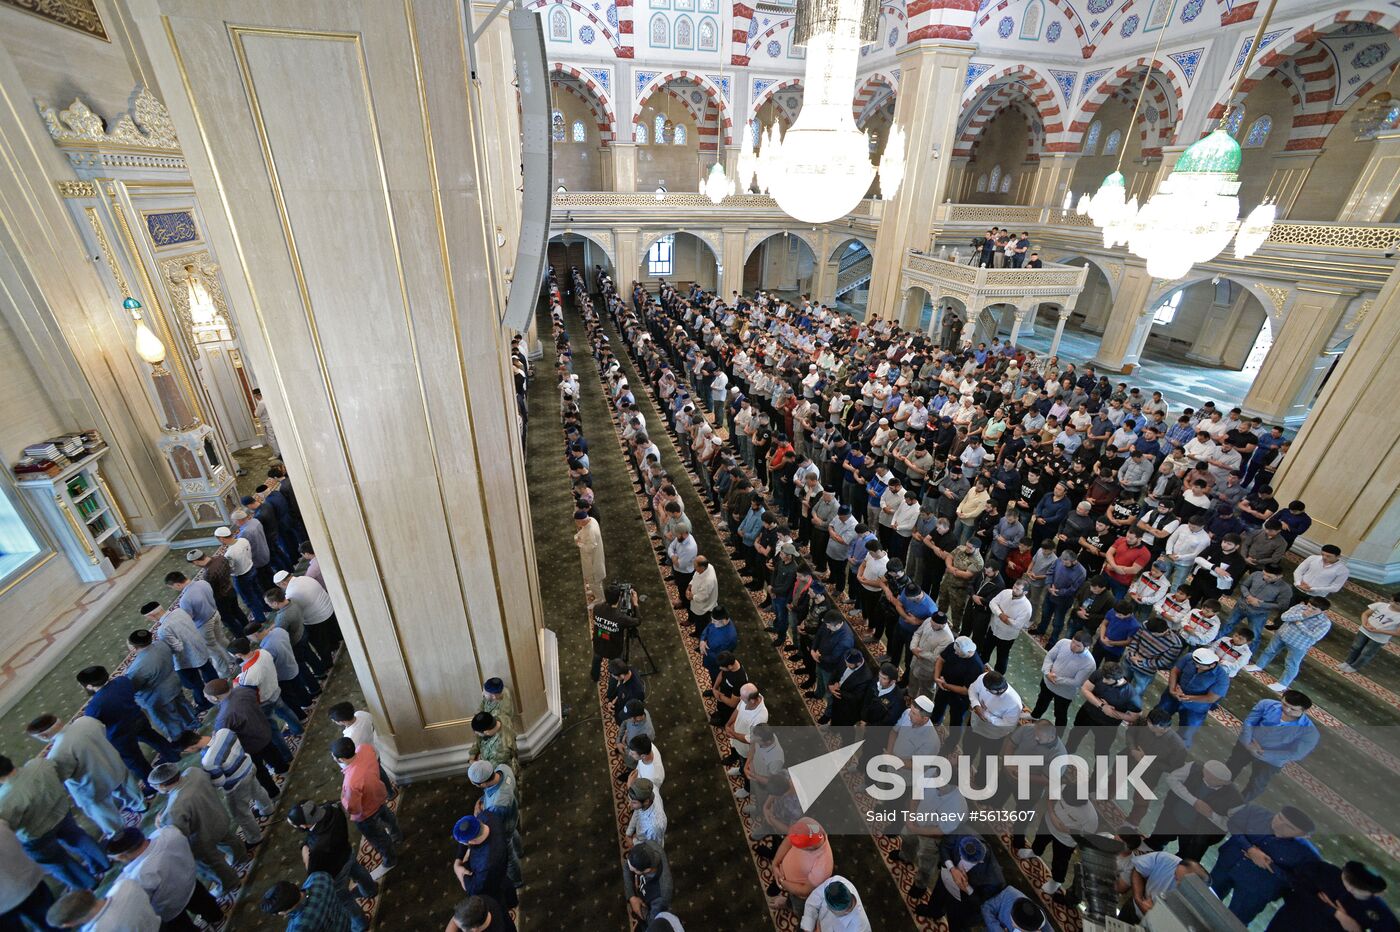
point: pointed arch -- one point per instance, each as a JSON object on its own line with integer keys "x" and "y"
{"x": 1027, "y": 81}
{"x": 584, "y": 86}
{"x": 767, "y": 94}
{"x": 716, "y": 98}
{"x": 1166, "y": 88}
{"x": 600, "y": 25}
{"x": 872, "y": 93}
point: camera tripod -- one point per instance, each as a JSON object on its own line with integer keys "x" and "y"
{"x": 634, "y": 634}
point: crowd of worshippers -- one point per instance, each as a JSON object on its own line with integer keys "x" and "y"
{"x": 941, "y": 503}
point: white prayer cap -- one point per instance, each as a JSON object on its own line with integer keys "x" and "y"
{"x": 280, "y": 576}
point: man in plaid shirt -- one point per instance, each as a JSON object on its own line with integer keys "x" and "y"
{"x": 1302, "y": 626}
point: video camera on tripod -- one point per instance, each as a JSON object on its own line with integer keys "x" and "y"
{"x": 629, "y": 600}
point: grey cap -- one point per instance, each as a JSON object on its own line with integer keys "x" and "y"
{"x": 162, "y": 774}
{"x": 643, "y": 790}
{"x": 481, "y": 771}
{"x": 192, "y": 555}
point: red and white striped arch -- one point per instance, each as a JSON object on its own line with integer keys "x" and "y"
{"x": 940, "y": 19}
{"x": 583, "y": 85}
{"x": 872, "y": 94}
{"x": 723, "y": 124}
{"x": 768, "y": 92}
{"x": 615, "y": 37}
{"x": 1002, "y": 98}
{"x": 1318, "y": 112}
{"x": 1169, "y": 89}
{"x": 979, "y": 105}
{"x": 740, "y": 17}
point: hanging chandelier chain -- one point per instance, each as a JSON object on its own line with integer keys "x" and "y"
{"x": 1234, "y": 100}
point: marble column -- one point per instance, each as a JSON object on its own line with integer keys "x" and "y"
{"x": 1052, "y": 179}
{"x": 930, "y": 86}
{"x": 358, "y": 229}
{"x": 1291, "y": 169}
{"x": 1059, "y": 330}
{"x": 624, "y": 166}
{"x": 1129, "y": 321}
{"x": 1345, "y": 460}
{"x": 732, "y": 249}
{"x": 629, "y": 257}
{"x": 1295, "y": 365}
{"x": 1374, "y": 190}
{"x": 1216, "y": 329}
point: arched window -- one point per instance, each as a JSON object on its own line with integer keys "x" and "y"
{"x": 981, "y": 184}
{"x": 1006, "y": 183}
{"x": 1166, "y": 311}
{"x": 661, "y": 257}
{"x": 556, "y": 126}
{"x": 1232, "y": 125}
{"x": 685, "y": 33}
{"x": 660, "y": 31}
{"x": 709, "y": 35}
{"x": 994, "y": 179}
{"x": 580, "y": 133}
{"x": 639, "y": 134}
{"x": 559, "y": 24}
{"x": 1091, "y": 138}
{"x": 755, "y": 131}
{"x": 660, "y": 129}
{"x": 1111, "y": 144}
{"x": 1030, "y": 20}
{"x": 1258, "y": 133}
{"x": 678, "y": 135}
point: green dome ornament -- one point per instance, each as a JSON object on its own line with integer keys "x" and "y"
{"x": 1216, "y": 154}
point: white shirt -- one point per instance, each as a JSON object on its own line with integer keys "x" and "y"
{"x": 747, "y": 718}
{"x": 1323, "y": 579}
{"x": 165, "y": 870}
{"x": 704, "y": 591}
{"x": 1017, "y": 609}
{"x": 239, "y": 554}
{"x": 818, "y": 917}
{"x": 262, "y": 676}
{"x": 126, "y": 909}
{"x": 361, "y": 730}
{"x": 311, "y": 598}
{"x": 1071, "y": 669}
{"x": 655, "y": 771}
{"x": 1200, "y": 631}
{"x": 1233, "y": 657}
{"x": 1003, "y": 712}
{"x": 1385, "y": 618}
{"x": 1186, "y": 543}
{"x": 1081, "y": 819}
{"x": 873, "y": 568}
{"x": 905, "y": 517}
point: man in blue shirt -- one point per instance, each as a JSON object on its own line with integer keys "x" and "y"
{"x": 1195, "y": 685}
{"x": 1253, "y": 866}
{"x": 913, "y": 606}
{"x": 1277, "y": 732}
{"x": 113, "y": 703}
{"x": 719, "y": 636}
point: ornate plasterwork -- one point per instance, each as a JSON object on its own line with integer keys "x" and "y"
{"x": 146, "y": 126}
{"x": 76, "y": 189}
{"x": 81, "y": 15}
{"x": 176, "y": 272}
{"x": 1361, "y": 313}
{"x": 1278, "y": 295}
{"x": 1323, "y": 234}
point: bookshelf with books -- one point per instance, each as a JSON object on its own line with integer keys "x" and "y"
{"x": 81, "y": 513}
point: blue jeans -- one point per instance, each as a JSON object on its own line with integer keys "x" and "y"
{"x": 1191, "y": 716}
{"x": 1138, "y": 681}
{"x": 1118, "y": 589}
{"x": 1257, "y": 620}
{"x": 1179, "y": 573}
{"x": 69, "y": 855}
{"x": 381, "y": 830}
{"x": 247, "y": 586}
{"x": 780, "y": 616}
{"x": 1053, "y": 617}
{"x": 286, "y": 713}
{"x": 1292, "y": 659}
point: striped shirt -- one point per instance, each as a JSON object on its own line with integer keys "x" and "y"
{"x": 1148, "y": 652}
{"x": 225, "y": 760}
{"x": 1301, "y": 631}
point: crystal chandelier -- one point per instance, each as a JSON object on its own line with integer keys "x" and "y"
{"x": 1195, "y": 210}
{"x": 821, "y": 168}
{"x": 717, "y": 187}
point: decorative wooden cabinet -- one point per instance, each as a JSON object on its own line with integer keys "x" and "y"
{"x": 83, "y": 516}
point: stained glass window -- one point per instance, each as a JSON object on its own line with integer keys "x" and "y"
{"x": 678, "y": 135}
{"x": 556, "y": 126}
{"x": 559, "y": 24}
{"x": 982, "y": 183}
{"x": 660, "y": 124}
{"x": 580, "y": 134}
{"x": 994, "y": 179}
{"x": 639, "y": 134}
{"x": 1232, "y": 125}
{"x": 1091, "y": 139}
{"x": 1111, "y": 144}
{"x": 1258, "y": 133}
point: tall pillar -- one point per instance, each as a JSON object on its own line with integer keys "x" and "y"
{"x": 930, "y": 85}
{"x": 624, "y": 166}
{"x": 629, "y": 258}
{"x": 1216, "y": 328}
{"x": 1295, "y": 364}
{"x": 1052, "y": 178}
{"x": 1018, "y": 323}
{"x": 732, "y": 249}
{"x": 1371, "y": 195}
{"x": 358, "y": 223}
{"x": 1291, "y": 169}
{"x": 1345, "y": 461}
{"x": 1129, "y": 321}
{"x": 1059, "y": 330}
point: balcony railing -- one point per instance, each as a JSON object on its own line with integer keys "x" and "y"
{"x": 690, "y": 200}
{"x": 1381, "y": 237}
{"x": 1053, "y": 278}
